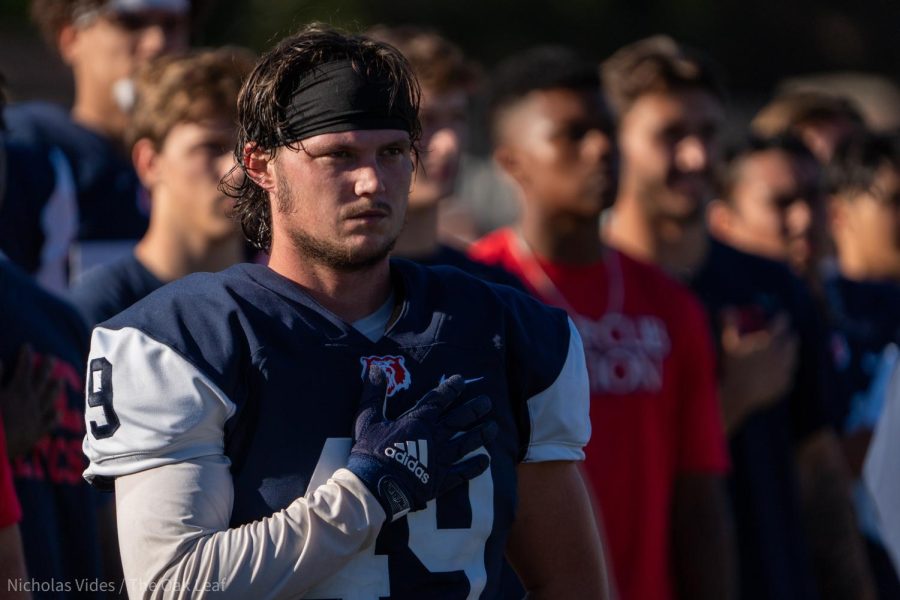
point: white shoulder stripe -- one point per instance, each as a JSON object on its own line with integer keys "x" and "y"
{"x": 166, "y": 408}
{"x": 560, "y": 419}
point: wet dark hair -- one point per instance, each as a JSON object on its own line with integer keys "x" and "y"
{"x": 538, "y": 68}
{"x": 266, "y": 96}
{"x": 855, "y": 164}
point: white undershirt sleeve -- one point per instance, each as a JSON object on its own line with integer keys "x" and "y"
{"x": 175, "y": 541}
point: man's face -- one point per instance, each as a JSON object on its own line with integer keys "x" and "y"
{"x": 560, "y": 150}
{"x": 340, "y": 199}
{"x": 193, "y": 158}
{"x": 109, "y": 46}
{"x": 869, "y": 226}
{"x": 444, "y": 117}
{"x": 777, "y": 208}
{"x": 669, "y": 145}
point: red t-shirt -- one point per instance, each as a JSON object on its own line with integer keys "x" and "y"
{"x": 654, "y": 405}
{"x": 10, "y": 511}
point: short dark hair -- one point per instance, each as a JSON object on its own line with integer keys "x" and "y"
{"x": 535, "y": 69}
{"x": 856, "y": 162}
{"x": 788, "y": 111}
{"x": 730, "y": 171}
{"x": 266, "y": 95}
{"x": 438, "y": 63}
{"x": 657, "y": 64}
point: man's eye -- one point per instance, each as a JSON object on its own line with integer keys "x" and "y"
{"x": 577, "y": 132}
{"x": 394, "y": 151}
{"x": 339, "y": 154}
{"x": 216, "y": 149}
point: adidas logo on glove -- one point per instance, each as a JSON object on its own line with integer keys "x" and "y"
{"x": 412, "y": 455}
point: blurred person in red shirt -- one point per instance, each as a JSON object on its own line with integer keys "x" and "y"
{"x": 657, "y": 454}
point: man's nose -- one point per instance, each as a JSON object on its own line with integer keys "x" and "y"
{"x": 369, "y": 180}
{"x": 692, "y": 154}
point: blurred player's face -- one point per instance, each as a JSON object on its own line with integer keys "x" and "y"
{"x": 443, "y": 117}
{"x": 868, "y": 225}
{"x": 669, "y": 146}
{"x": 558, "y": 146}
{"x": 107, "y": 47}
{"x": 341, "y": 198}
{"x": 193, "y": 158}
{"x": 776, "y": 208}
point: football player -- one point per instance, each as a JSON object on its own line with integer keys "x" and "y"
{"x": 284, "y": 430}
{"x": 787, "y": 472}
{"x": 100, "y": 208}
{"x": 182, "y": 135}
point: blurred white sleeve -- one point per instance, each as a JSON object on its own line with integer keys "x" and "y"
{"x": 881, "y": 469}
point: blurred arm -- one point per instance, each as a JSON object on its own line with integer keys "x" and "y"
{"x": 12, "y": 563}
{"x": 554, "y": 545}
{"x": 838, "y": 554}
{"x": 702, "y": 538}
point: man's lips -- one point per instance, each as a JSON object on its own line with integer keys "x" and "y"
{"x": 369, "y": 214}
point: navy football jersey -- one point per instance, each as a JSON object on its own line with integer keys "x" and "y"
{"x": 865, "y": 327}
{"x": 38, "y": 213}
{"x": 112, "y": 205}
{"x": 244, "y": 363}
{"x": 774, "y": 558}
{"x": 449, "y": 256}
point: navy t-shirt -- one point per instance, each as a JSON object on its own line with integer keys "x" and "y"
{"x": 864, "y": 317}
{"x": 59, "y": 525}
{"x": 107, "y": 290}
{"x": 112, "y": 204}
{"x": 774, "y": 559}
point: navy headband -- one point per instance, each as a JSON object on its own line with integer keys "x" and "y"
{"x": 334, "y": 97}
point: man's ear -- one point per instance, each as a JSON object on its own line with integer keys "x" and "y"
{"x": 508, "y": 160}
{"x": 67, "y": 43}
{"x": 720, "y": 219}
{"x": 145, "y": 158}
{"x": 260, "y": 166}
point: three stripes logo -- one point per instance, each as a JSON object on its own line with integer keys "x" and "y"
{"x": 413, "y": 455}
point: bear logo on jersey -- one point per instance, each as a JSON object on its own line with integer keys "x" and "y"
{"x": 393, "y": 367}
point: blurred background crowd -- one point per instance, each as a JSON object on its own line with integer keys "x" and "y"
{"x": 716, "y": 207}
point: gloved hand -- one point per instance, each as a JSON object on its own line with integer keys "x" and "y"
{"x": 407, "y": 461}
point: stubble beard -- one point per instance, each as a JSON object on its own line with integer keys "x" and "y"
{"x": 661, "y": 212}
{"x": 324, "y": 252}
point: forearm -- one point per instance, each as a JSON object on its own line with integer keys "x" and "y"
{"x": 169, "y": 549}
{"x": 838, "y": 554}
{"x": 554, "y": 545}
{"x": 12, "y": 563}
{"x": 702, "y": 539}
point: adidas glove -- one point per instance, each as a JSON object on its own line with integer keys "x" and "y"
{"x": 407, "y": 461}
